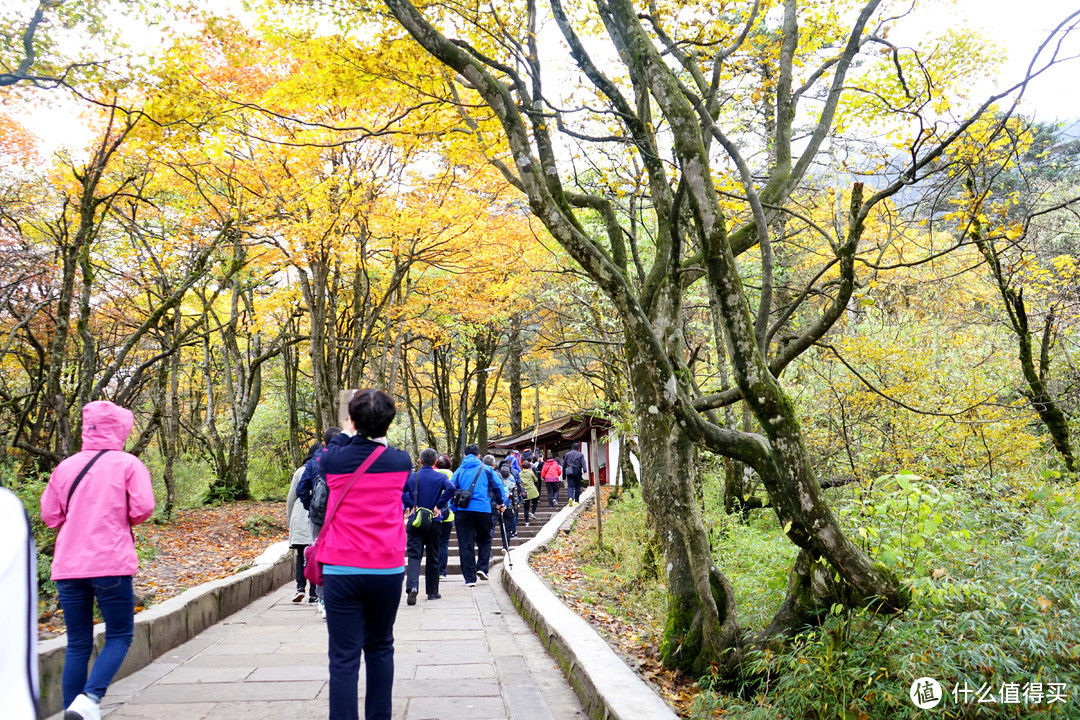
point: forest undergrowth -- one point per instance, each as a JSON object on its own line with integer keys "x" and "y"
{"x": 992, "y": 564}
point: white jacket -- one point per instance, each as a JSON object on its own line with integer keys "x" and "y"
{"x": 299, "y": 528}
{"x": 18, "y": 607}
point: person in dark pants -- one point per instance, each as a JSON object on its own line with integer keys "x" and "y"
{"x": 361, "y": 546}
{"x": 300, "y": 529}
{"x": 473, "y": 520}
{"x": 551, "y": 473}
{"x": 446, "y": 524}
{"x": 430, "y": 490}
{"x": 532, "y": 491}
{"x": 574, "y": 467}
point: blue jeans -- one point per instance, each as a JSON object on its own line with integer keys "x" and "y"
{"x": 360, "y": 614}
{"x": 116, "y": 601}
{"x": 474, "y": 542}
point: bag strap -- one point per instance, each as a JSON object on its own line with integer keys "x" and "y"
{"x": 475, "y": 478}
{"x": 352, "y": 481}
{"x": 415, "y": 492}
{"x": 79, "y": 478}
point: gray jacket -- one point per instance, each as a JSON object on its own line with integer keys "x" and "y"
{"x": 299, "y": 528}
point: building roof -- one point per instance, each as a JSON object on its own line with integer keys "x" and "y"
{"x": 565, "y": 428}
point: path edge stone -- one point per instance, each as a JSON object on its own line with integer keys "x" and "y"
{"x": 607, "y": 687}
{"x": 162, "y": 627}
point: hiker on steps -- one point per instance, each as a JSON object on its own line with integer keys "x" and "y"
{"x": 551, "y": 473}
{"x": 313, "y": 493}
{"x": 473, "y": 517}
{"x": 95, "y": 497}
{"x": 574, "y": 465}
{"x": 446, "y": 526}
{"x": 532, "y": 491}
{"x": 427, "y": 491}
{"x": 300, "y": 529}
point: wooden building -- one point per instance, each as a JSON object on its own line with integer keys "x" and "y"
{"x": 554, "y": 437}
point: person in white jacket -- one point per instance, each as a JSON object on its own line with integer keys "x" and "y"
{"x": 18, "y": 605}
{"x": 300, "y": 532}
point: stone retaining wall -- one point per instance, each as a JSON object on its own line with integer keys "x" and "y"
{"x": 607, "y": 688}
{"x": 160, "y": 628}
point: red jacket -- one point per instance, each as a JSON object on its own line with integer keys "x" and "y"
{"x": 552, "y": 471}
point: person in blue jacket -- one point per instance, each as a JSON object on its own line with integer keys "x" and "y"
{"x": 473, "y": 521}
{"x": 427, "y": 488}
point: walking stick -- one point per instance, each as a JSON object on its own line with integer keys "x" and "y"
{"x": 506, "y": 541}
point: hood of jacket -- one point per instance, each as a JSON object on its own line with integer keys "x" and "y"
{"x": 470, "y": 461}
{"x": 106, "y": 426}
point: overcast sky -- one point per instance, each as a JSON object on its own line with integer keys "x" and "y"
{"x": 1016, "y": 26}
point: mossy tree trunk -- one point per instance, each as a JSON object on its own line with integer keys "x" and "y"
{"x": 691, "y": 242}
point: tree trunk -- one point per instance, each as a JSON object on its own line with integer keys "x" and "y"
{"x": 513, "y": 361}
{"x": 701, "y": 627}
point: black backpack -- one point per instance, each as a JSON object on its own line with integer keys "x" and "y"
{"x": 320, "y": 495}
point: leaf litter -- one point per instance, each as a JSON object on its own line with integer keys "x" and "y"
{"x": 197, "y": 546}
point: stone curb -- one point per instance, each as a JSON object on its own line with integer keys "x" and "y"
{"x": 607, "y": 687}
{"x": 162, "y": 627}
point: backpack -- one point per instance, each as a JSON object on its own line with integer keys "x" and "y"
{"x": 320, "y": 495}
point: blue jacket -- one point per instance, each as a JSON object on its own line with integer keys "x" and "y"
{"x": 487, "y": 486}
{"x": 306, "y": 486}
{"x": 430, "y": 488}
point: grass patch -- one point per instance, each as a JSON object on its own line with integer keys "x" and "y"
{"x": 994, "y": 570}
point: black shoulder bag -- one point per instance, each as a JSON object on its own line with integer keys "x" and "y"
{"x": 463, "y": 497}
{"x": 79, "y": 477}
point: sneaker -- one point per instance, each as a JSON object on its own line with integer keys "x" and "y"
{"x": 313, "y": 599}
{"x": 481, "y": 574}
{"x": 83, "y": 708}
{"x": 412, "y": 596}
{"x": 435, "y": 596}
{"x": 470, "y": 585}
{"x": 298, "y": 597}
{"x": 322, "y": 609}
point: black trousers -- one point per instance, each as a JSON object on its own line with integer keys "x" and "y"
{"x": 301, "y": 581}
{"x": 474, "y": 542}
{"x": 573, "y": 487}
{"x": 423, "y": 543}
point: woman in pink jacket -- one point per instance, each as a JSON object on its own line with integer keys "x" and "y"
{"x": 95, "y": 497}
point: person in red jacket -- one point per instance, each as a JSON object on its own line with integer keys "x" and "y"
{"x": 95, "y": 497}
{"x": 363, "y": 555}
{"x": 551, "y": 474}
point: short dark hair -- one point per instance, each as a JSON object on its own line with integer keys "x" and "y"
{"x": 372, "y": 411}
{"x": 472, "y": 449}
{"x": 443, "y": 463}
{"x": 311, "y": 451}
{"x": 575, "y": 446}
{"x": 504, "y": 471}
{"x": 525, "y": 464}
{"x": 330, "y": 434}
{"x": 428, "y": 457}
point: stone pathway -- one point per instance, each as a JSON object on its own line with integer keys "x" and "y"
{"x": 468, "y": 656}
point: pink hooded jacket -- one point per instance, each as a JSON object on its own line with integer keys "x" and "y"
{"x": 95, "y": 538}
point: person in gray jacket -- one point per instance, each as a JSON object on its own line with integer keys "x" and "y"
{"x": 300, "y": 531}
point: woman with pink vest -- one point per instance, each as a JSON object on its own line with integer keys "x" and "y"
{"x": 362, "y": 548}
{"x": 95, "y": 497}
